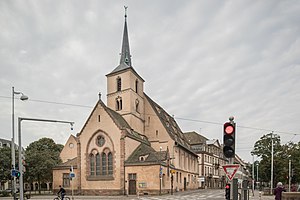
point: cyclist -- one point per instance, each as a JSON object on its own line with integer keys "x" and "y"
{"x": 62, "y": 192}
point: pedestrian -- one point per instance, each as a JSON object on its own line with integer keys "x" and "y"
{"x": 62, "y": 192}
{"x": 278, "y": 191}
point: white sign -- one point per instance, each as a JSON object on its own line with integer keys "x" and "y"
{"x": 230, "y": 170}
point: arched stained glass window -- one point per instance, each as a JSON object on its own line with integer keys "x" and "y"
{"x": 92, "y": 164}
{"x": 98, "y": 162}
{"x": 110, "y": 163}
{"x": 104, "y": 169}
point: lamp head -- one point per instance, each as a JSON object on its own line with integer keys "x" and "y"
{"x": 24, "y": 97}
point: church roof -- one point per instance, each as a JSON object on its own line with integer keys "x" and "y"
{"x": 145, "y": 155}
{"x": 68, "y": 164}
{"x": 170, "y": 125}
{"x": 195, "y": 138}
{"x": 120, "y": 122}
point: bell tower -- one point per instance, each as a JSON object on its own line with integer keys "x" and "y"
{"x": 125, "y": 88}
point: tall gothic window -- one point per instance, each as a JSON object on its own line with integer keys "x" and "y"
{"x": 98, "y": 169}
{"x": 110, "y": 163}
{"x": 92, "y": 164}
{"x": 104, "y": 172}
{"x": 119, "y": 84}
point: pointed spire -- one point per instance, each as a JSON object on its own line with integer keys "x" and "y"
{"x": 125, "y": 54}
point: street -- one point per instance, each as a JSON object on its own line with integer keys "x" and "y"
{"x": 215, "y": 194}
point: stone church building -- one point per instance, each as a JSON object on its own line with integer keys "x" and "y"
{"x": 129, "y": 146}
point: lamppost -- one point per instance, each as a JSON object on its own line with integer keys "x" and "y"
{"x": 160, "y": 170}
{"x": 272, "y": 162}
{"x": 13, "y": 159}
{"x": 290, "y": 166}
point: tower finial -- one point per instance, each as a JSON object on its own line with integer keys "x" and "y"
{"x": 125, "y": 11}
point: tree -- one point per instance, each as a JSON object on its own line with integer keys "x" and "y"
{"x": 281, "y": 156}
{"x": 5, "y": 164}
{"x": 41, "y": 156}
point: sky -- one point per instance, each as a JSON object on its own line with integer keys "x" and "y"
{"x": 202, "y": 61}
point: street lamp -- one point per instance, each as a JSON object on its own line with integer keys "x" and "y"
{"x": 160, "y": 170}
{"x": 290, "y": 166}
{"x": 13, "y": 159}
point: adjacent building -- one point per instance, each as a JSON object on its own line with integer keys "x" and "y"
{"x": 211, "y": 160}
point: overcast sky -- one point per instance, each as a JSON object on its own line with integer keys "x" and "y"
{"x": 202, "y": 61}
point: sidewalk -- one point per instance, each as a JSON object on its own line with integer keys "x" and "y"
{"x": 259, "y": 195}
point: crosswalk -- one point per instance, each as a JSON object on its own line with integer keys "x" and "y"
{"x": 189, "y": 196}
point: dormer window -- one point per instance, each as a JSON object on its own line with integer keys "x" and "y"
{"x": 119, "y": 84}
{"x": 143, "y": 158}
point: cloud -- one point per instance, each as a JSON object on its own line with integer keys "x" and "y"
{"x": 201, "y": 60}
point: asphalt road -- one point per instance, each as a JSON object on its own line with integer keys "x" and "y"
{"x": 213, "y": 194}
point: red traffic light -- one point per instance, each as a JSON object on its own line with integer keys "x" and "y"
{"x": 227, "y": 186}
{"x": 228, "y": 128}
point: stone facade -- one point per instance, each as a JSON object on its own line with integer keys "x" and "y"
{"x": 129, "y": 146}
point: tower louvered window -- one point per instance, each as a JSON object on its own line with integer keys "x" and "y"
{"x": 119, "y": 84}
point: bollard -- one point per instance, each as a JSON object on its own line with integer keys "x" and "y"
{"x": 259, "y": 195}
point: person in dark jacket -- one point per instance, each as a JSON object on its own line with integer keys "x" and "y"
{"x": 62, "y": 192}
{"x": 278, "y": 191}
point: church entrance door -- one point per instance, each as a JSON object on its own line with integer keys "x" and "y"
{"x": 132, "y": 187}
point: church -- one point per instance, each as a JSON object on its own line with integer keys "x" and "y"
{"x": 129, "y": 146}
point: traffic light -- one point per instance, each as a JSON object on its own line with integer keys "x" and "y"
{"x": 227, "y": 191}
{"x": 17, "y": 174}
{"x": 229, "y": 140}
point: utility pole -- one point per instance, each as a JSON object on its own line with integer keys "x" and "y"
{"x": 290, "y": 166}
{"x": 272, "y": 157}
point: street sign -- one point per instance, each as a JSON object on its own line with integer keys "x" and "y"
{"x": 230, "y": 170}
{"x": 72, "y": 175}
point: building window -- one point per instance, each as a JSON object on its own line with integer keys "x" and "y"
{"x": 136, "y": 85}
{"x": 119, "y": 84}
{"x": 101, "y": 165}
{"x": 131, "y": 176}
{"x": 66, "y": 180}
{"x": 110, "y": 163}
{"x": 137, "y": 105}
{"x": 92, "y": 164}
{"x": 100, "y": 141}
{"x": 98, "y": 167}
{"x": 119, "y": 103}
{"x": 99, "y": 118}
{"x": 104, "y": 172}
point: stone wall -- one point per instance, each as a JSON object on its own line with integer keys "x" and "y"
{"x": 291, "y": 196}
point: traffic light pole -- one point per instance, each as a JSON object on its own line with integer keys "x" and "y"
{"x": 20, "y": 119}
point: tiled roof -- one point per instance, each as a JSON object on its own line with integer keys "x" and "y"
{"x": 195, "y": 138}
{"x": 122, "y": 124}
{"x": 170, "y": 125}
{"x": 67, "y": 164}
{"x": 145, "y": 154}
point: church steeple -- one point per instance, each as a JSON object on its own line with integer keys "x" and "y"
{"x": 125, "y": 54}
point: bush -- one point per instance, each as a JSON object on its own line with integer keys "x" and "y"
{"x": 4, "y": 193}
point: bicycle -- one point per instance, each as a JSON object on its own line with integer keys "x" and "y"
{"x": 59, "y": 198}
